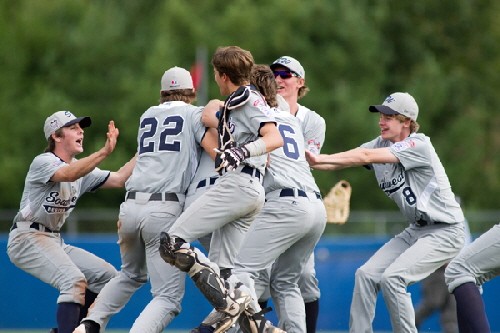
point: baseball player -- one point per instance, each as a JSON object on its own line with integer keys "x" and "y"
{"x": 169, "y": 139}
{"x": 247, "y": 131}
{"x": 289, "y": 225}
{"x": 409, "y": 171}
{"x": 477, "y": 263}
{"x": 290, "y": 78}
{"x": 54, "y": 183}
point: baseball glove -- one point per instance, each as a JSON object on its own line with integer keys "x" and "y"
{"x": 337, "y": 202}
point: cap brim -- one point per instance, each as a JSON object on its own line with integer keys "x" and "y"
{"x": 273, "y": 66}
{"x": 83, "y": 121}
{"x": 382, "y": 109}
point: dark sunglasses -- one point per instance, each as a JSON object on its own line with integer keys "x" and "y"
{"x": 284, "y": 74}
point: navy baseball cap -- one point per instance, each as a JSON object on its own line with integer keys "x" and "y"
{"x": 63, "y": 119}
{"x": 398, "y": 103}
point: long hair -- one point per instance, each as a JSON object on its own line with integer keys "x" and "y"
{"x": 51, "y": 143}
{"x": 235, "y": 62}
{"x": 262, "y": 78}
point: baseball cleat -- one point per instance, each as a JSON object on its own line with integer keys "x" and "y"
{"x": 257, "y": 323}
{"x": 219, "y": 321}
{"x": 87, "y": 326}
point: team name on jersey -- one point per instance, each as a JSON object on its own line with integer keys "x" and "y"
{"x": 54, "y": 204}
{"x": 392, "y": 185}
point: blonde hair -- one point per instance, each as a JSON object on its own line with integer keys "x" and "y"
{"x": 414, "y": 126}
{"x": 302, "y": 91}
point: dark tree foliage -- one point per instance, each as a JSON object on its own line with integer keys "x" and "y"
{"x": 105, "y": 59}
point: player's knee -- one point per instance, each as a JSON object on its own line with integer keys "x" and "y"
{"x": 456, "y": 274}
{"x": 390, "y": 282}
{"x": 73, "y": 291}
{"x": 363, "y": 274}
{"x": 99, "y": 279}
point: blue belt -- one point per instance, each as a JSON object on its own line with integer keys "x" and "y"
{"x": 155, "y": 196}
{"x": 251, "y": 171}
{"x": 203, "y": 182}
{"x": 290, "y": 192}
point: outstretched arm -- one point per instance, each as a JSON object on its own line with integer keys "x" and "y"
{"x": 350, "y": 158}
{"x": 80, "y": 168}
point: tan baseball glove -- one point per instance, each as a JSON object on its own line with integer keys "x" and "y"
{"x": 337, "y": 202}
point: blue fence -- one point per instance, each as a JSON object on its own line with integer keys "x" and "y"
{"x": 28, "y": 303}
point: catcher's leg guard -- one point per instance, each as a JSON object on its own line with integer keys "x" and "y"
{"x": 179, "y": 254}
{"x": 257, "y": 323}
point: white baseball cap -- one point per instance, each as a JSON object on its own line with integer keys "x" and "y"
{"x": 290, "y": 63}
{"x": 176, "y": 78}
{"x": 398, "y": 103}
{"x": 63, "y": 119}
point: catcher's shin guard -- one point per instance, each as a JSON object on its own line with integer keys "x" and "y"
{"x": 184, "y": 257}
{"x": 219, "y": 321}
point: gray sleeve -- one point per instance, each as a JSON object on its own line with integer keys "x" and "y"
{"x": 92, "y": 181}
{"x": 412, "y": 152}
{"x": 257, "y": 112}
{"x": 43, "y": 167}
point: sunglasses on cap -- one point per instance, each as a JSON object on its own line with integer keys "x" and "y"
{"x": 285, "y": 74}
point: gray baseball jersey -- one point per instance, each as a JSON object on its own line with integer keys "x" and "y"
{"x": 419, "y": 186}
{"x": 419, "y": 174}
{"x": 45, "y": 205}
{"x": 168, "y": 140}
{"x": 218, "y": 206}
{"x": 169, "y": 131}
{"x": 288, "y": 227}
{"x": 50, "y": 203}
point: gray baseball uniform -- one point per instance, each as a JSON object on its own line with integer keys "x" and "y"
{"x": 220, "y": 210}
{"x": 35, "y": 244}
{"x": 313, "y": 130}
{"x": 288, "y": 227}
{"x": 168, "y": 153}
{"x": 419, "y": 186}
